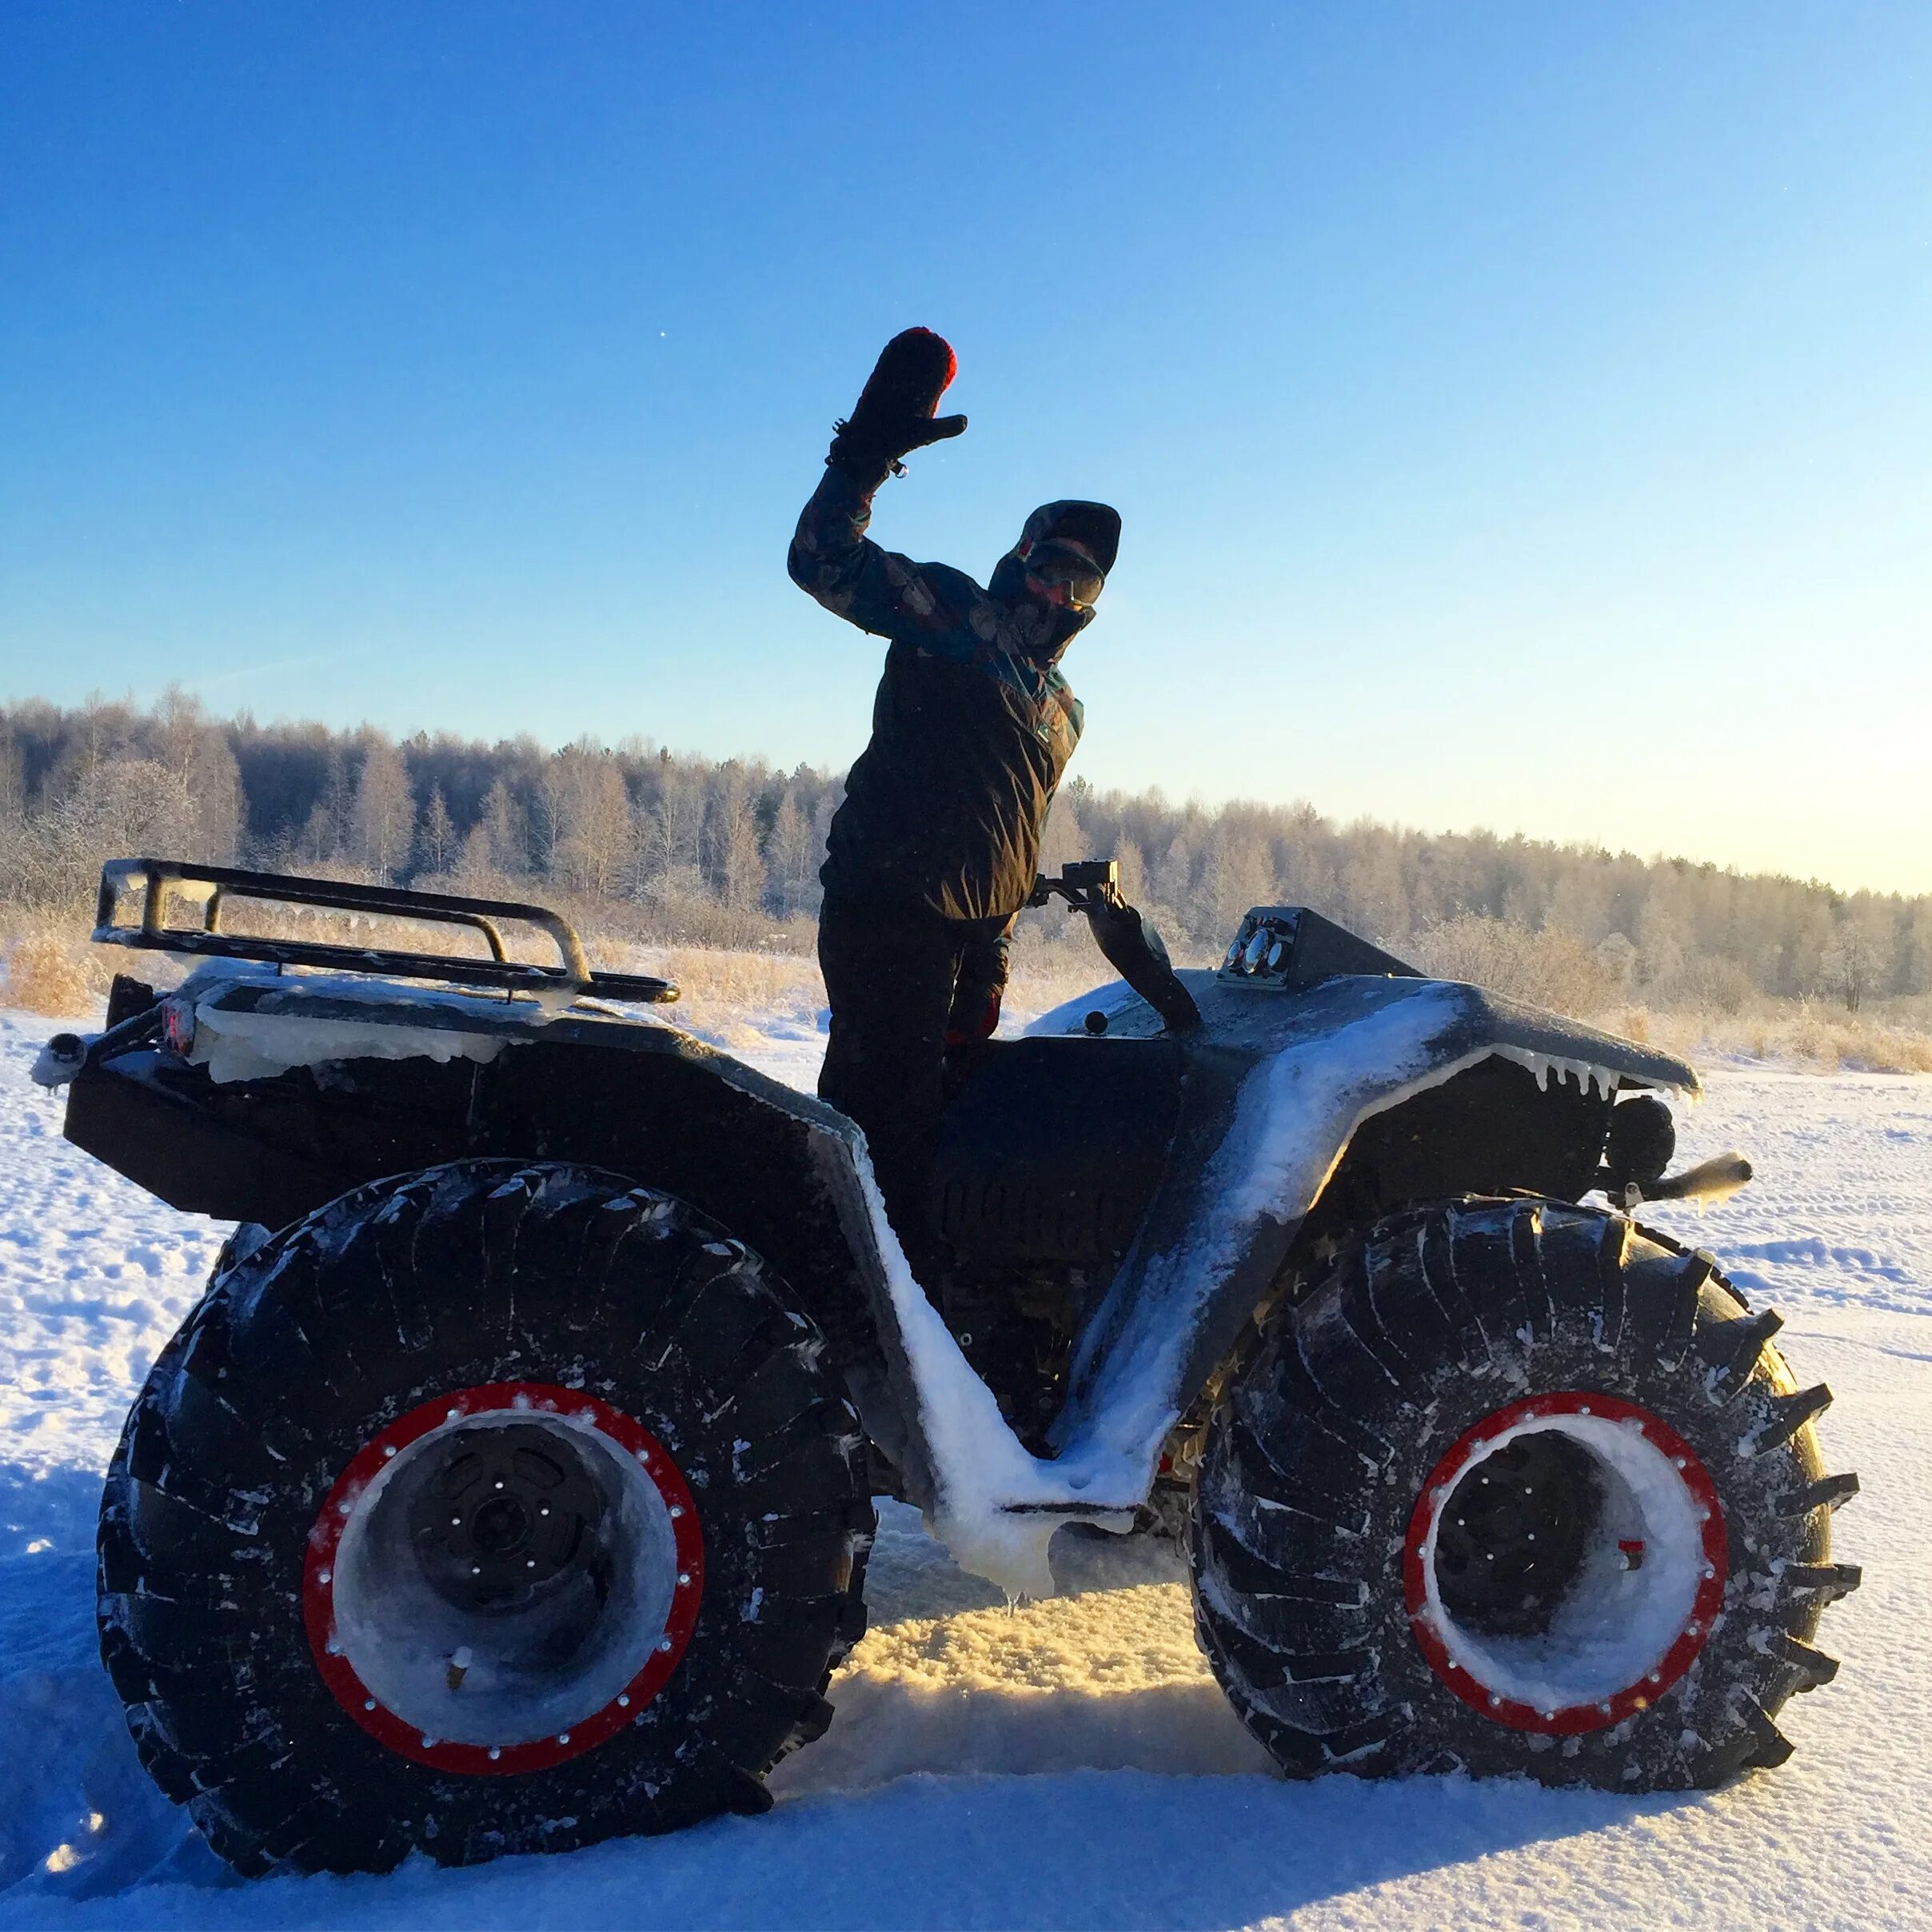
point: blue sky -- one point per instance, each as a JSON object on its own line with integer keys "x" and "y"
{"x": 1519, "y": 414}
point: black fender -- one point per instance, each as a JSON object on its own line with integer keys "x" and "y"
{"x": 387, "y": 1081}
{"x": 1277, "y": 1088}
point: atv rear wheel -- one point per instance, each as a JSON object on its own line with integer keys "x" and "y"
{"x": 496, "y": 1508}
{"x": 1518, "y": 1487}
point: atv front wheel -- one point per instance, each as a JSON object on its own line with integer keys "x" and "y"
{"x": 1518, "y": 1487}
{"x": 493, "y": 1509}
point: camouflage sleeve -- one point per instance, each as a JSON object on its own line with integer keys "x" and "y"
{"x": 832, "y": 560}
{"x": 986, "y": 960}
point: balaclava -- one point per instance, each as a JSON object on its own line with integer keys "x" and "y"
{"x": 1047, "y": 629}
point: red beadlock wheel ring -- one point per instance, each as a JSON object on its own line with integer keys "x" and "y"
{"x": 585, "y": 1734}
{"x": 1598, "y": 1714}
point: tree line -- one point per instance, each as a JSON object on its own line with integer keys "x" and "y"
{"x": 728, "y": 851}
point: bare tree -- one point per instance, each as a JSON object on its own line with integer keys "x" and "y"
{"x": 383, "y": 814}
{"x": 118, "y": 807}
{"x": 1237, "y": 872}
{"x": 732, "y": 861}
{"x": 436, "y": 837}
{"x": 1855, "y": 960}
{"x": 326, "y": 833}
{"x": 13, "y": 784}
{"x": 1064, "y": 838}
{"x": 501, "y": 823}
{"x": 1617, "y": 954}
{"x": 588, "y": 813}
{"x": 671, "y": 826}
{"x": 789, "y": 852}
{"x": 197, "y": 752}
{"x": 1915, "y": 948}
{"x": 1171, "y": 874}
{"x": 473, "y": 871}
{"x": 1374, "y": 892}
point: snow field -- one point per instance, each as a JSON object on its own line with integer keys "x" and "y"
{"x": 1072, "y": 1764}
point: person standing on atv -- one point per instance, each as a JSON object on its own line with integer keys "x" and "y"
{"x": 935, "y": 849}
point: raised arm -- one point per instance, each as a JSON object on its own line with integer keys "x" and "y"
{"x": 831, "y": 558}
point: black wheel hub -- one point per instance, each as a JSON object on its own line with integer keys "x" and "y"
{"x": 506, "y": 1513}
{"x": 1513, "y": 1535}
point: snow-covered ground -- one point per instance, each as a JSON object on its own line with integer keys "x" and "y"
{"x": 1073, "y": 1764}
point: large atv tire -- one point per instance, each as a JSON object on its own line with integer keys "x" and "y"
{"x": 1518, "y": 1487}
{"x": 492, "y": 1509}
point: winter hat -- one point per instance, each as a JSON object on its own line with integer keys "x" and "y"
{"x": 1095, "y": 525}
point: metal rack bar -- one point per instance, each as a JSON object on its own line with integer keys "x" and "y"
{"x": 155, "y": 878}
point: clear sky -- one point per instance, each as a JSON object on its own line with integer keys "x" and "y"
{"x": 1521, "y": 414}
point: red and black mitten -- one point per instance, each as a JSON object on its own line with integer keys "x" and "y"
{"x": 894, "y": 412}
{"x": 974, "y": 1017}
{"x": 984, "y": 967}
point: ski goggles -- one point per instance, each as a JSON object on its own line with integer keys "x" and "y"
{"x": 1056, "y": 565}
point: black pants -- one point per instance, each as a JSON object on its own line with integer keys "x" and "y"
{"x": 891, "y": 972}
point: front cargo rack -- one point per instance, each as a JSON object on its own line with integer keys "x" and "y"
{"x": 160, "y": 885}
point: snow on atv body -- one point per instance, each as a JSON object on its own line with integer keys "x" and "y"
{"x": 1244, "y": 1244}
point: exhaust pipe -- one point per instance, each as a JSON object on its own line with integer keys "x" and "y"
{"x": 1715, "y": 1180}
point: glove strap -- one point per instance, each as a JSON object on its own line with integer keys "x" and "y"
{"x": 860, "y": 457}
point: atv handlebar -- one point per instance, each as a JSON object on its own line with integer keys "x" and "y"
{"x": 1130, "y": 943}
{"x": 1084, "y": 884}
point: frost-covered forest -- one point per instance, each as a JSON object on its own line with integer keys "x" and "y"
{"x": 680, "y": 847}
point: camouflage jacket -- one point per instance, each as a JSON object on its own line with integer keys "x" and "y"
{"x": 970, "y": 729}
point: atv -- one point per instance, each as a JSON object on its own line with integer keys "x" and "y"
{"x": 512, "y": 1485}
